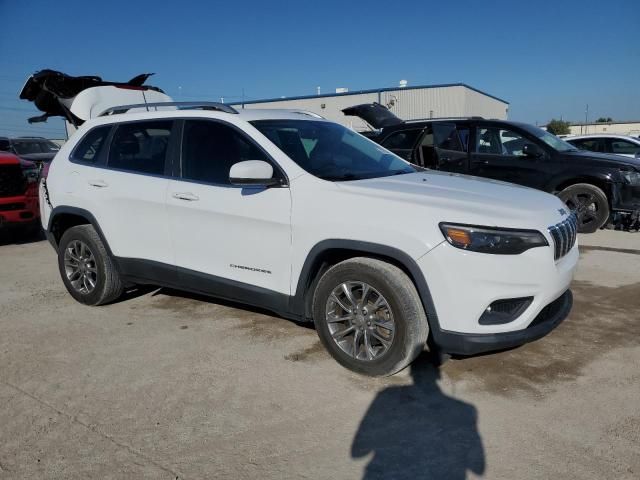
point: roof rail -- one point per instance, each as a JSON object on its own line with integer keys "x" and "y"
{"x": 308, "y": 113}
{"x": 221, "y": 107}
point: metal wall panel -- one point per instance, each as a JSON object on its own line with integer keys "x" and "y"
{"x": 408, "y": 104}
{"x": 481, "y": 105}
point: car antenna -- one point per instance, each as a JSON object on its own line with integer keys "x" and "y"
{"x": 144, "y": 97}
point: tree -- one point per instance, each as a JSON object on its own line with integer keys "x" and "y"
{"x": 604, "y": 120}
{"x": 558, "y": 127}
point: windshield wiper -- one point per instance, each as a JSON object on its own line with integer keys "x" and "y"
{"x": 337, "y": 178}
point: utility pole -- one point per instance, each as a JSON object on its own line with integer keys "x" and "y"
{"x": 586, "y": 118}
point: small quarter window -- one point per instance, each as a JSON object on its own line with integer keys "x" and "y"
{"x": 141, "y": 147}
{"x": 91, "y": 145}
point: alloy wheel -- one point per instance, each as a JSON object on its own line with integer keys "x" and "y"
{"x": 360, "y": 320}
{"x": 585, "y": 206}
{"x": 80, "y": 267}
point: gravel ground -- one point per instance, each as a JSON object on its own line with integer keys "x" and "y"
{"x": 168, "y": 385}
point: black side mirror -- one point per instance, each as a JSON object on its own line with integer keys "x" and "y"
{"x": 531, "y": 150}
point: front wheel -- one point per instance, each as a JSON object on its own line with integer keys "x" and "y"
{"x": 590, "y": 205}
{"x": 369, "y": 316}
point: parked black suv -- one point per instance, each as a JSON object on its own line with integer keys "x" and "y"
{"x": 598, "y": 187}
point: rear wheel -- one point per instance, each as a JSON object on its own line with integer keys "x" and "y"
{"x": 590, "y": 205}
{"x": 86, "y": 267}
{"x": 369, "y": 316}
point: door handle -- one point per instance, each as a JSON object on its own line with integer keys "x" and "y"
{"x": 187, "y": 196}
{"x": 98, "y": 183}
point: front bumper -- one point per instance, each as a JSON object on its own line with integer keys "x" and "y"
{"x": 463, "y": 284}
{"x": 473, "y": 344}
{"x": 625, "y": 198}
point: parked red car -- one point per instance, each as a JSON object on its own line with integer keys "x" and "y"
{"x": 18, "y": 192}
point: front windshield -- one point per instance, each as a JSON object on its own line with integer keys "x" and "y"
{"x": 331, "y": 151}
{"x": 25, "y": 147}
{"x": 550, "y": 139}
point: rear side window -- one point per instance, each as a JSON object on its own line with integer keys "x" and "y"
{"x": 141, "y": 147}
{"x": 209, "y": 149}
{"x": 91, "y": 145}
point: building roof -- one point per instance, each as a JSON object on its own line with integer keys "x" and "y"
{"x": 375, "y": 90}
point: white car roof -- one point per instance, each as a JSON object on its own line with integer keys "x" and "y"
{"x": 603, "y": 135}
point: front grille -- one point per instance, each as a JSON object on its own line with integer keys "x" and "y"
{"x": 7, "y": 207}
{"x": 12, "y": 181}
{"x": 564, "y": 235}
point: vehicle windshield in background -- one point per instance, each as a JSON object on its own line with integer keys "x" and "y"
{"x": 331, "y": 151}
{"x": 25, "y": 147}
{"x": 550, "y": 139}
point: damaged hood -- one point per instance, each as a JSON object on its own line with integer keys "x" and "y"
{"x": 77, "y": 98}
{"x": 376, "y": 115}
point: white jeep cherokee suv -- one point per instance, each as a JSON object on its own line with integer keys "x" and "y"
{"x": 301, "y": 216}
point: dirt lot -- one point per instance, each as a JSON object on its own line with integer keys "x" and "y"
{"x": 165, "y": 385}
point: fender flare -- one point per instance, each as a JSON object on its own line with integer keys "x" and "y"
{"x": 305, "y": 279}
{"x": 80, "y": 212}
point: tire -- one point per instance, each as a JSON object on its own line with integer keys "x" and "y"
{"x": 589, "y": 203}
{"x": 92, "y": 260}
{"x": 390, "y": 350}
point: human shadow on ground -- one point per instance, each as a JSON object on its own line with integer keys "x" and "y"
{"x": 418, "y": 432}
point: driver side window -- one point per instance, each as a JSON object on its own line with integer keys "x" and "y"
{"x": 499, "y": 141}
{"x": 209, "y": 149}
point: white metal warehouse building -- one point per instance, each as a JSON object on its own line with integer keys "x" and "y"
{"x": 408, "y": 103}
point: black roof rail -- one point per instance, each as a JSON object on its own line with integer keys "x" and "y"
{"x": 220, "y": 107}
{"x": 439, "y": 119}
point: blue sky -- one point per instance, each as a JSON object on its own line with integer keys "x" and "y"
{"x": 548, "y": 59}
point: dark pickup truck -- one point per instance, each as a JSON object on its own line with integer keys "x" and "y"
{"x": 599, "y": 188}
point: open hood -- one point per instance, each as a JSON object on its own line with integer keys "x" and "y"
{"x": 79, "y": 98}
{"x": 376, "y": 115}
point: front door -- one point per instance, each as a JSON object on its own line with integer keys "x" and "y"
{"x": 499, "y": 154}
{"x": 227, "y": 236}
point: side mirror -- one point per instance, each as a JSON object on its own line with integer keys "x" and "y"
{"x": 531, "y": 150}
{"x": 255, "y": 173}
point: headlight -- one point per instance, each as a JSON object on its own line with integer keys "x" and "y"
{"x": 500, "y": 241}
{"x": 631, "y": 177}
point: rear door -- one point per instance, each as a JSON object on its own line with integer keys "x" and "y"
{"x": 402, "y": 142}
{"x": 443, "y": 147}
{"x": 125, "y": 186}
{"x": 450, "y": 143}
{"x": 498, "y": 154}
